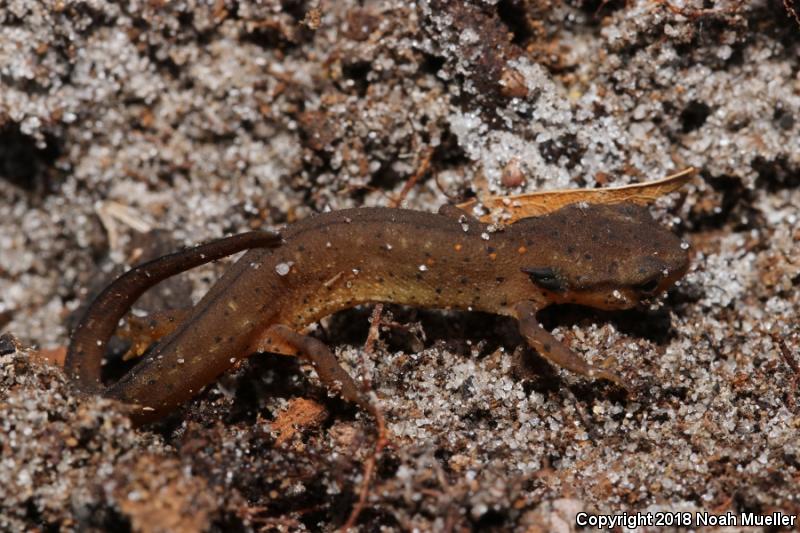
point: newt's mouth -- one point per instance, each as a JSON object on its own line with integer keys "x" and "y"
{"x": 607, "y": 298}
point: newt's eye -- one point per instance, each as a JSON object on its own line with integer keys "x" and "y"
{"x": 648, "y": 287}
{"x": 545, "y": 277}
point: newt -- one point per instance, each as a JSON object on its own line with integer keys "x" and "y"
{"x": 602, "y": 256}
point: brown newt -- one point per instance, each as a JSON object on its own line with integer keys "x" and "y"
{"x": 603, "y": 256}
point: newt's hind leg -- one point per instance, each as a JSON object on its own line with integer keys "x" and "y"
{"x": 143, "y": 332}
{"x": 328, "y": 369}
{"x": 552, "y": 349}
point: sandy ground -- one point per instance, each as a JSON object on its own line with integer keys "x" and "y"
{"x": 130, "y": 130}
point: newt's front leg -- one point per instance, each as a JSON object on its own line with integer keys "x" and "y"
{"x": 328, "y": 369}
{"x": 552, "y": 349}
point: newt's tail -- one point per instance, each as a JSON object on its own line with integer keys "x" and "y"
{"x": 87, "y": 346}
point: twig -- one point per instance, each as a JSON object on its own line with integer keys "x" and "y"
{"x": 110, "y": 212}
{"x": 374, "y": 329}
{"x": 382, "y": 439}
{"x": 369, "y": 467}
{"x": 581, "y": 413}
{"x": 424, "y": 165}
{"x": 792, "y": 9}
{"x": 792, "y": 364}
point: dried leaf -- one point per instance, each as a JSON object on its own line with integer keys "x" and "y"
{"x": 300, "y": 414}
{"x": 509, "y": 209}
{"x": 51, "y": 356}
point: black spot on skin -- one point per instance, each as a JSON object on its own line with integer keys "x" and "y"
{"x": 230, "y": 339}
{"x": 499, "y": 279}
{"x": 380, "y": 279}
{"x": 588, "y": 257}
{"x": 419, "y": 276}
{"x": 226, "y": 313}
{"x": 464, "y": 281}
{"x": 490, "y": 249}
{"x": 427, "y": 254}
{"x": 301, "y": 248}
{"x": 438, "y": 290}
{"x": 570, "y": 249}
{"x": 547, "y": 347}
{"x": 217, "y": 339}
{"x": 504, "y": 303}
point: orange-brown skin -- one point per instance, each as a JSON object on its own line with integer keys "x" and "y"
{"x": 608, "y": 257}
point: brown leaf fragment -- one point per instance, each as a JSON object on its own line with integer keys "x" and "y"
{"x": 300, "y": 414}
{"x": 509, "y": 209}
{"x": 51, "y": 356}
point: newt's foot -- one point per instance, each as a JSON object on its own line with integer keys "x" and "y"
{"x": 596, "y": 372}
{"x": 553, "y": 350}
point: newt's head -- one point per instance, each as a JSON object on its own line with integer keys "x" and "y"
{"x": 605, "y": 256}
